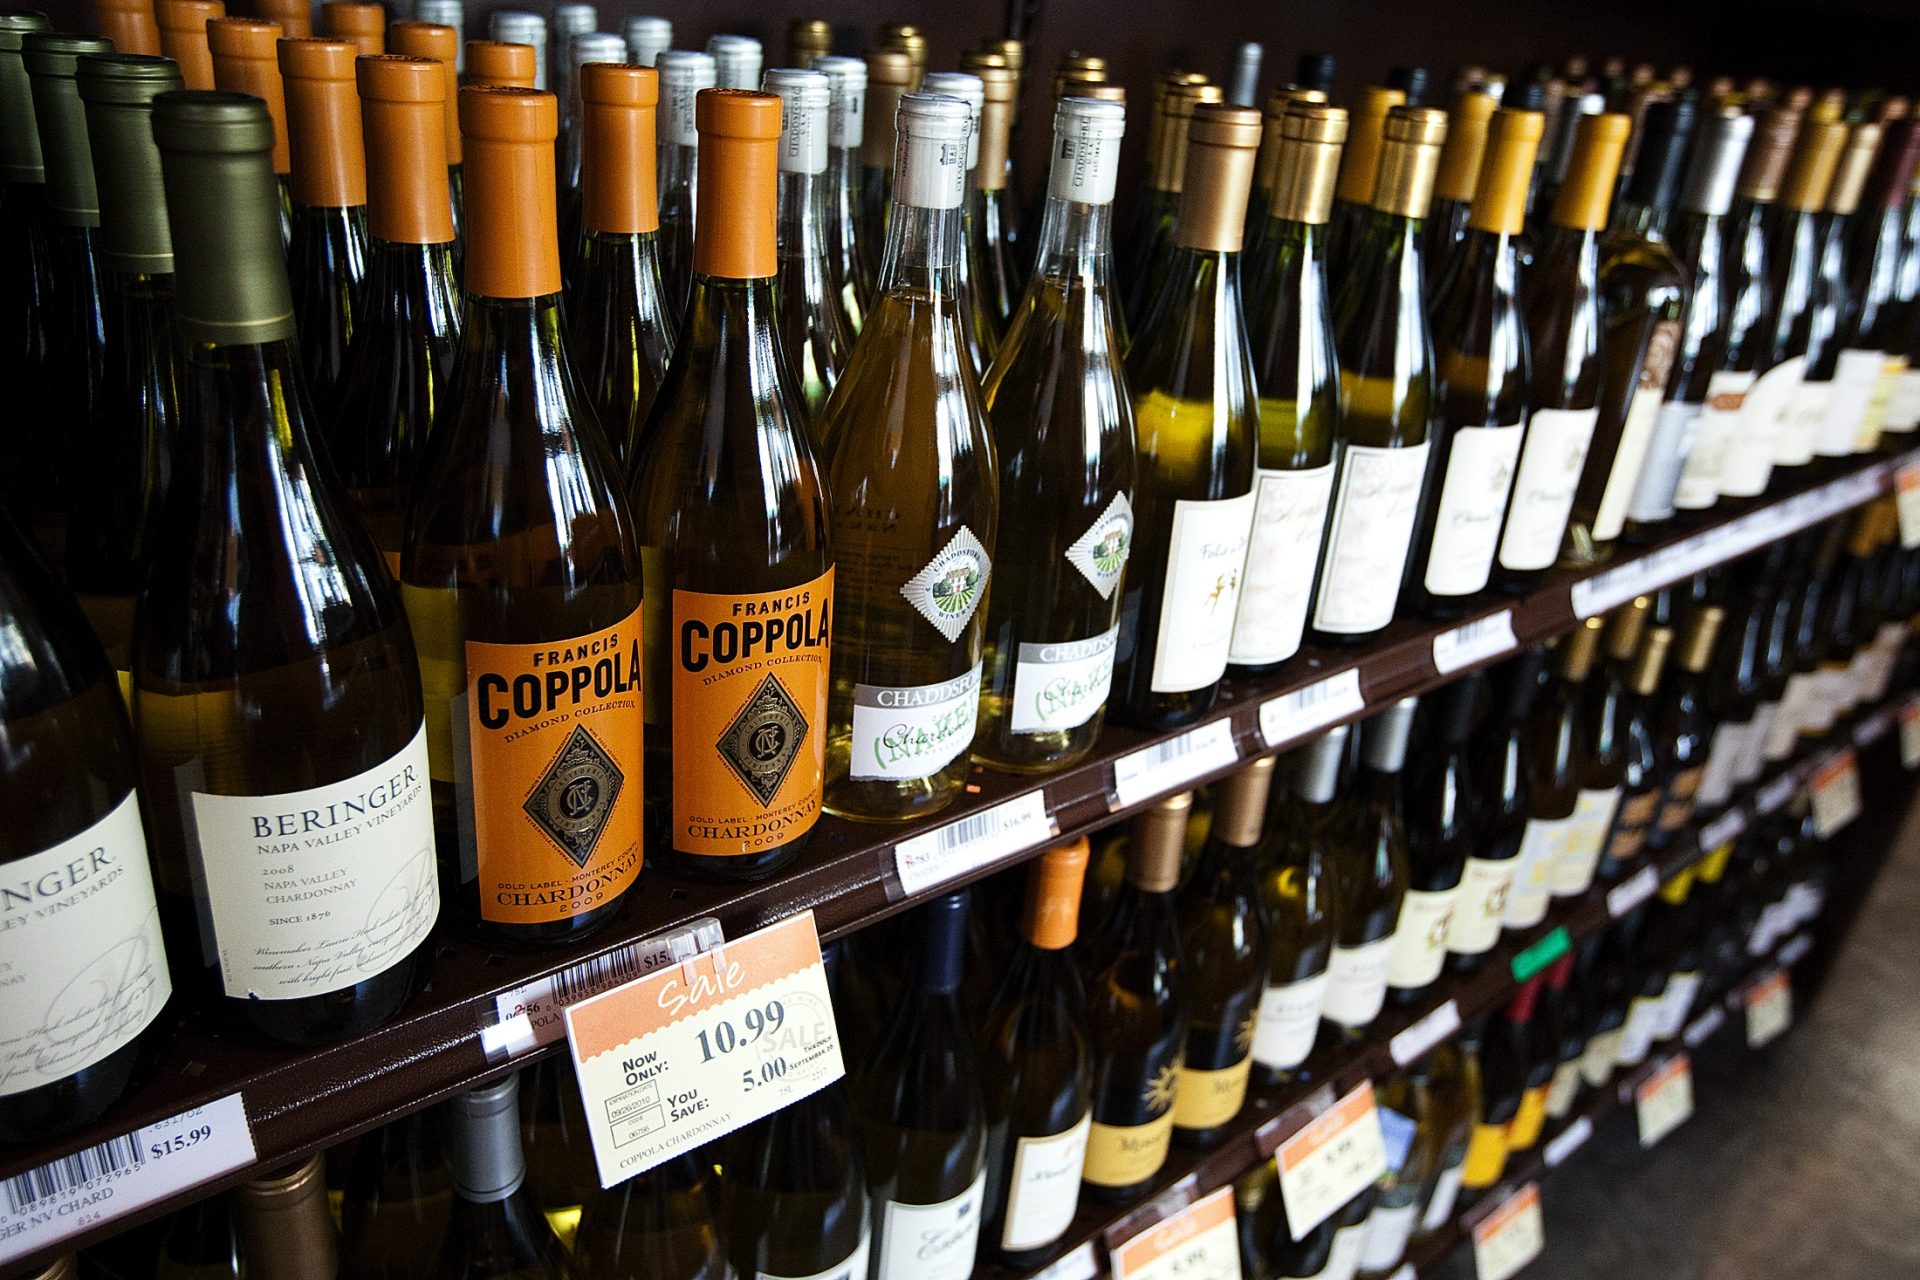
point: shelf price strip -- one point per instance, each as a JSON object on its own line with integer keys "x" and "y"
{"x": 532, "y": 1015}
{"x": 1293, "y": 716}
{"x": 975, "y": 841}
{"x": 1474, "y": 642}
{"x": 1167, "y": 766}
{"x": 1336, "y": 1156}
{"x": 1511, "y": 1236}
{"x": 1197, "y": 1243}
{"x": 1663, "y": 1101}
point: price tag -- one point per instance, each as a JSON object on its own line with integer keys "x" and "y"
{"x": 1632, "y": 891}
{"x": 1769, "y": 1008}
{"x": 541, "y": 1001}
{"x": 1664, "y": 1099}
{"x": 1168, "y": 766}
{"x": 1198, "y": 1243}
{"x": 64, "y": 1197}
{"x": 1082, "y": 1264}
{"x": 1424, "y": 1034}
{"x": 1776, "y": 793}
{"x": 1906, "y": 494}
{"x": 1511, "y": 1236}
{"x": 1567, "y": 1141}
{"x": 1910, "y": 733}
{"x": 1474, "y": 642}
{"x": 1710, "y": 1021}
{"x": 1836, "y": 794}
{"x": 1339, "y": 1154}
{"x": 1727, "y": 826}
{"x": 977, "y": 840}
{"x": 675, "y": 1059}
{"x": 1293, "y": 716}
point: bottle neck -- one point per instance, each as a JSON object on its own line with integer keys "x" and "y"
{"x": 805, "y": 210}
{"x": 677, "y": 164}
{"x": 485, "y": 1156}
{"x": 1075, "y": 241}
{"x": 1642, "y": 220}
{"x": 923, "y": 250}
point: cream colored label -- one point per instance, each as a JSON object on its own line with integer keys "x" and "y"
{"x": 1592, "y": 822}
{"x": 1289, "y": 518}
{"x": 1540, "y": 848}
{"x": 1563, "y": 1089}
{"x": 1551, "y": 460}
{"x": 1473, "y": 498}
{"x": 1903, "y": 407}
{"x": 931, "y": 1241}
{"x": 1674, "y": 432}
{"x": 1636, "y": 436}
{"x": 1367, "y": 541}
{"x": 1636, "y": 1038}
{"x": 1122, "y": 1155}
{"x": 1044, "y": 1190}
{"x": 913, "y": 732}
{"x": 1601, "y": 1056}
{"x": 1874, "y": 421}
{"x": 1481, "y": 907}
{"x": 1208, "y": 1099}
{"x": 1717, "y": 432}
{"x": 852, "y": 1267}
{"x": 1206, "y": 556}
{"x": 1724, "y": 754}
{"x": 1420, "y": 939}
{"x": 1855, "y": 375}
{"x": 1805, "y": 415}
{"x": 1289, "y": 1018}
{"x": 1757, "y": 439}
{"x": 1357, "y": 982}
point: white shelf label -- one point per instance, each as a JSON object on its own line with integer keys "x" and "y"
{"x": 1424, "y": 1034}
{"x": 1906, "y": 492}
{"x": 1727, "y": 826}
{"x": 1664, "y": 1100}
{"x": 1836, "y": 794}
{"x": 1511, "y": 1236}
{"x": 977, "y": 840}
{"x": 1474, "y": 642}
{"x": 1710, "y": 1021}
{"x": 1292, "y": 716}
{"x": 1776, "y": 793}
{"x": 1769, "y": 1005}
{"x": 540, "y": 1002}
{"x": 1339, "y": 1154}
{"x": 1168, "y": 766}
{"x": 1197, "y": 1243}
{"x": 64, "y": 1197}
{"x": 1567, "y": 1141}
{"x": 1796, "y": 949}
{"x": 1633, "y": 891}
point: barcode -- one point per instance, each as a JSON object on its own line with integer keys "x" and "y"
{"x": 27, "y": 1191}
{"x": 1472, "y": 642}
{"x": 1162, "y": 767}
{"x": 542, "y": 999}
{"x": 1294, "y": 715}
{"x": 590, "y": 977}
{"x": 969, "y": 843}
{"x": 966, "y": 830}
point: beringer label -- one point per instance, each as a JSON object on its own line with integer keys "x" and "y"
{"x": 749, "y": 675}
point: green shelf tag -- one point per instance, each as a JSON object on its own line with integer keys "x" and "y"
{"x": 1541, "y": 954}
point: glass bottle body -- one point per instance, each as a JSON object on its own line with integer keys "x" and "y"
{"x": 327, "y": 264}
{"x": 621, "y": 332}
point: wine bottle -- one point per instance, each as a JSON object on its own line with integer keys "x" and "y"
{"x": 1296, "y": 373}
{"x": 1563, "y": 1005}
{"x": 1605, "y": 745}
{"x": 1610, "y": 969}
{"x": 683, "y": 75}
{"x": 1555, "y": 731}
{"x": 91, "y": 973}
{"x": 1370, "y": 875}
{"x": 1801, "y": 320}
{"x": 1734, "y": 685}
{"x": 500, "y": 64}
{"x": 1656, "y": 947}
{"x": 517, "y": 26}
{"x": 397, "y": 1201}
{"x": 555, "y": 1145}
{"x": 1037, "y": 1060}
{"x": 812, "y": 321}
{"x": 1851, "y": 369}
{"x": 1138, "y": 1008}
{"x": 1196, "y": 420}
{"x": 647, "y": 39}
{"x": 1561, "y": 300}
{"x": 664, "y": 1224}
{"x": 1800, "y": 694}
{"x": 1502, "y": 1051}
{"x": 919, "y": 1107}
{"x": 1640, "y": 790}
{"x": 737, "y": 60}
{"x": 440, "y": 41}
{"x": 1296, "y": 890}
{"x": 1681, "y": 728}
{"x": 1455, "y": 1087}
{"x": 1480, "y": 381}
{"x": 847, "y": 250}
{"x": 1441, "y": 836}
{"x": 1499, "y": 812}
{"x": 1360, "y": 166}
{"x": 1902, "y": 416}
{"x": 1386, "y": 386}
{"x": 327, "y": 255}
{"x": 285, "y": 1226}
{"x": 1887, "y": 302}
{"x": 795, "y": 1192}
{"x": 1411, "y": 1123}
{"x": 364, "y": 24}
{"x": 1684, "y": 978}
{"x": 1349, "y": 1236}
{"x": 585, "y": 49}
{"x": 131, "y": 25}
{"x": 1459, "y": 175}
{"x": 495, "y": 1230}
{"x": 27, "y": 459}
{"x": 307, "y": 640}
{"x": 1699, "y": 244}
{"x": 1542, "y": 1059}
{"x": 889, "y": 78}
{"x": 246, "y": 59}
{"x": 979, "y": 334}
{"x": 997, "y": 277}
{"x": 1064, "y": 431}
{"x": 536, "y": 790}
{"x": 1265, "y": 164}
{"x": 1224, "y": 951}
{"x": 911, "y": 467}
{"x": 908, "y": 39}
{"x": 183, "y": 37}
{"x": 1149, "y": 245}
{"x": 737, "y": 743}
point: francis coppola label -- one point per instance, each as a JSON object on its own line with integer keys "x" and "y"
{"x": 554, "y": 735}
{"x": 749, "y": 676}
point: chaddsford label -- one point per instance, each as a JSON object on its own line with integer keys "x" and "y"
{"x": 1061, "y": 685}
{"x": 82, "y": 968}
{"x": 913, "y": 732}
{"x": 315, "y": 890}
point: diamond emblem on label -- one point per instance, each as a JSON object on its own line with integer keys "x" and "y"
{"x": 574, "y": 798}
{"x": 1101, "y": 552}
{"x": 952, "y": 585}
{"x": 764, "y": 740}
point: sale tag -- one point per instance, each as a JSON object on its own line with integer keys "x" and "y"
{"x": 1511, "y": 1236}
{"x": 1339, "y": 1154}
{"x": 1474, "y": 642}
{"x": 1836, "y": 794}
{"x": 1769, "y": 1004}
{"x": 64, "y": 1197}
{"x": 1664, "y": 1099}
{"x": 1910, "y": 733}
{"x": 1906, "y": 492}
{"x": 1567, "y": 1141}
{"x": 1632, "y": 891}
{"x": 1293, "y": 716}
{"x": 677, "y": 1058}
{"x": 1424, "y": 1034}
{"x": 530, "y": 1016}
{"x": 1169, "y": 766}
{"x": 1198, "y": 1243}
{"x": 967, "y": 844}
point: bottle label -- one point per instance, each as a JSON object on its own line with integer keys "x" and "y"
{"x": 1592, "y": 821}
{"x": 1289, "y": 1019}
{"x": 1551, "y": 460}
{"x": 929, "y": 173}
{"x": 1602, "y": 1054}
{"x": 1754, "y": 758}
{"x": 749, "y": 716}
{"x": 314, "y": 890}
{"x": 1636, "y": 433}
{"x": 931, "y": 1241}
{"x": 82, "y": 966}
{"x": 1062, "y": 685}
{"x": 1540, "y": 848}
{"x": 1388, "y": 1230}
{"x": 1086, "y": 164}
{"x": 912, "y": 732}
{"x": 1674, "y": 432}
{"x": 1205, "y": 559}
{"x": 1120, "y": 1155}
{"x": 1100, "y": 554}
{"x": 1903, "y": 407}
{"x": 1636, "y": 1038}
{"x": 1289, "y": 519}
{"x": 846, "y": 115}
{"x": 1367, "y": 540}
{"x": 1563, "y": 1089}
{"x": 1482, "y": 905}
{"x": 1855, "y": 375}
{"x": 1044, "y": 1191}
{"x": 1486, "y": 1156}
{"x": 1343, "y": 1258}
{"x": 1420, "y": 939}
{"x": 949, "y": 588}
{"x": 1806, "y": 414}
{"x": 677, "y": 124}
{"x": 1208, "y": 1099}
{"x": 852, "y": 1267}
{"x": 1874, "y": 421}
{"x": 554, "y": 731}
{"x": 1785, "y": 729}
{"x": 1531, "y": 1117}
{"x": 1728, "y": 748}
{"x": 1716, "y": 433}
{"x": 1446, "y": 1194}
{"x": 1357, "y": 982}
{"x": 1473, "y": 497}
{"x": 1763, "y": 425}
{"x": 1630, "y": 829}
{"x": 1675, "y": 1005}
{"x": 1679, "y": 804}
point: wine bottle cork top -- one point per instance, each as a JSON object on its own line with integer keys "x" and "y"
{"x": 20, "y": 156}
{"x": 246, "y": 59}
{"x": 889, "y": 74}
{"x": 1086, "y": 150}
{"x": 183, "y": 37}
{"x": 294, "y": 16}
{"x": 364, "y": 24}
{"x": 888, "y": 66}
{"x": 1625, "y": 627}
{"x": 1810, "y": 172}
{"x": 1240, "y": 804}
{"x": 1307, "y": 163}
{"x": 1850, "y": 175}
{"x": 1052, "y": 918}
{"x": 1001, "y": 86}
{"x": 318, "y": 58}
{"x": 1459, "y": 173}
{"x": 403, "y": 115}
{"x": 1360, "y": 163}
{"x": 323, "y": 122}
{"x": 494, "y": 113}
{"x": 395, "y": 77}
{"x": 1587, "y": 193}
{"x": 1157, "y": 843}
{"x": 1893, "y": 167}
{"x": 1410, "y": 139}
{"x": 1014, "y": 51}
{"x": 1578, "y": 648}
{"x": 440, "y": 42}
{"x": 253, "y": 38}
{"x": 1098, "y": 92}
{"x": 1316, "y": 775}
{"x": 617, "y": 181}
{"x": 1506, "y": 171}
{"x": 1702, "y": 631}
{"x": 1167, "y": 162}
{"x": 1767, "y": 156}
{"x": 132, "y": 25}
{"x": 500, "y": 64}
{"x": 1653, "y": 656}
{"x": 118, "y": 90}
{"x": 52, "y": 61}
{"x": 513, "y": 248}
{"x": 1223, "y": 141}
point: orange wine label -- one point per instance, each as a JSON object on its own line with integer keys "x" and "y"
{"x": 554, "y": 732}
{"x": 749, "y": 716}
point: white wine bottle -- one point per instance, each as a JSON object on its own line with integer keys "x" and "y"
{"x": 1296, "y": 895}
{"x": 496, "y": 1232}
{"x": 521, "y": 574}
{"x": 916, "y": 503}
{"x": 1063, "y": 424}
{"x": 978, "y": 326}
{"x": 1370, "y": 875}
{"x": 848, "y": 254}
{"x": 815, "y": 331}
{"x": 683, "y": 74}
{"x": 276, "y": 692}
